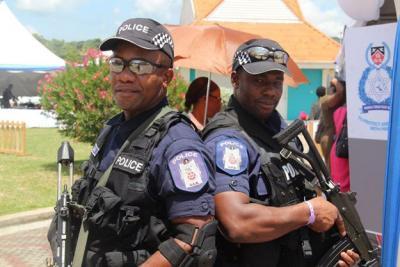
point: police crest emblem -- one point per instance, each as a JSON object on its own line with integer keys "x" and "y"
{"x": 231, "y": 156}
{"x": 190, "y": 173}
{"x": 375, "y": 82}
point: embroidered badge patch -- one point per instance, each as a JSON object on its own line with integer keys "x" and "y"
{"x": 231, "y": 156}
{"x": 129, "y": 164}
{"x": 95, "y": 150}
{"x": 188, "y": 171}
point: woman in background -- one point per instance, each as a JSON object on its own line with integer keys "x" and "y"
{"x": 195, "y": 101}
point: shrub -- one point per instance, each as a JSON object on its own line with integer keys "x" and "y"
{"x": 176, "y": 92}
{"x": 81, "y": 96}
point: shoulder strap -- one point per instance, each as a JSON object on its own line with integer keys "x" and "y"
{"x": 80, "y": 248}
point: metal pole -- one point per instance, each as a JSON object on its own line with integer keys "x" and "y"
{"x": 71, "y": 173}
{"x": 207, "y": 93}
{"x": 59, "y": 182}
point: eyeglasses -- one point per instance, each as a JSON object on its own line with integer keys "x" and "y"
{"x": 259, "y": 53}
{"x": 137, "y": 66}
{"x": 217, "y": 98}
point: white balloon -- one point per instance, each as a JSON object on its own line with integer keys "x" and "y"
{"x": 363, "y": 10}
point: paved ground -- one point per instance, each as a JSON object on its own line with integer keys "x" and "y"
{"x": 24, "y": 245}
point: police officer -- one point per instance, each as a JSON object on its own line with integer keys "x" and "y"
{"x": 148, "y": 187}
{"x": 259, "y": 197}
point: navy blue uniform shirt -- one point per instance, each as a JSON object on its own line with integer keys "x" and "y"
{"x": 181, "y": 165}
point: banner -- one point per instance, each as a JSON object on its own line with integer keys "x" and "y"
{"x": 369, "y": 63}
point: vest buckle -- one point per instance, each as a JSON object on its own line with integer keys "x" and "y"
{"x": 285, "y": 153}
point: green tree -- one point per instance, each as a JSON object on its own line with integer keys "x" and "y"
{"x": 69, "y": 51}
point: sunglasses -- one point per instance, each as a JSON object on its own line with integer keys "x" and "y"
{"x": 259, "y": 53}
{"x": 137, "y": 66}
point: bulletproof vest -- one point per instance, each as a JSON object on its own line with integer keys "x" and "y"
{"x": 284, "y": 185}
{"x": 125, "y": 214}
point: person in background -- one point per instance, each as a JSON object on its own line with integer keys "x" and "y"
{"x": 195, "y": 101}
{"x": 316, "y": 107}
{"x": 264, "y": 220}
{"x": 340, "y": 168}
{"x": 326, "y": 129}
{"x": 7, "y": 96}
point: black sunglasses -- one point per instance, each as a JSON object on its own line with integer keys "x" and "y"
{"x": 137, "y": 66}
{"x": 259, "y": 53}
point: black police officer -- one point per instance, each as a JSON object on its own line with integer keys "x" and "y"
{"x": 264, "y": 218}
{"x": 148, "y": 187}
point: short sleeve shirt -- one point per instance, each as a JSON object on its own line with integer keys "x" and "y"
{"x": 237, "y": 161}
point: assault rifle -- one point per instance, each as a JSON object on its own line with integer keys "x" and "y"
{"x": 62, "y": 254}
{"x": 313, "y": 166}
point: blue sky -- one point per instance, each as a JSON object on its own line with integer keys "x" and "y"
{"x": 85, "y": 19}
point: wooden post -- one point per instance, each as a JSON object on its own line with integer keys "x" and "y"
{"x": 12, "y": 137}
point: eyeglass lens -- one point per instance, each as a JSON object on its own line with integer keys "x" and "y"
{"x": 136, "y": 66}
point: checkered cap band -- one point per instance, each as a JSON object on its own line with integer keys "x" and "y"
{"x": 161, "y": 39}
{"x": 242, "y": 57}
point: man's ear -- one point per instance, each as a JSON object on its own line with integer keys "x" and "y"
{"x": 167, "y": 77}
{"x": 235, "y": 79}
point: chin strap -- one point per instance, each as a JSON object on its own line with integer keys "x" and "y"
{"x": 202, "y": 241}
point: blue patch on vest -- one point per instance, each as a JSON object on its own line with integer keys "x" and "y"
{"x": 188, "y": 171}
{"x": 231, "y": 156}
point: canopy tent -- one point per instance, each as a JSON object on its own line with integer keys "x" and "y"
{"x": 24, "y": 84}
{"x": 19, "y": 50}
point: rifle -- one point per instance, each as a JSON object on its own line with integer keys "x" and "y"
{"x": 314, "y": 167}
{"x": 62, "y": 257}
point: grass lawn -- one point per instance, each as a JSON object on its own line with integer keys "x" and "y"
{"x": 29, "y": 182}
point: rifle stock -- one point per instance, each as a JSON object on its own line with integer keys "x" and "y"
{"x": 345, "y": 202}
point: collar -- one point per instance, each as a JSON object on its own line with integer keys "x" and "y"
{"x": 130, "y": 125}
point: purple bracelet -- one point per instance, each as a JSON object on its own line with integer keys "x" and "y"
{"x": 311, "y": 219}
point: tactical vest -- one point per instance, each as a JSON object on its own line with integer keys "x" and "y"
{"x": 125, "y": 215}
{"x": 284, "y": 183}
{"x": 284, "y": 188}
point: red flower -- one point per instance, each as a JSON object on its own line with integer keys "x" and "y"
{"x": 79, "y": 94}
{"x": 303, "y": 116}
{"x": 102, "y": 94}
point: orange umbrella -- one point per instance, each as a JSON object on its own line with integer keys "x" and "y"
{"x": 211, "y": 48}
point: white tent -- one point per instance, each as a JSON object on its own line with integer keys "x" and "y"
{"x": 19, "y": 50}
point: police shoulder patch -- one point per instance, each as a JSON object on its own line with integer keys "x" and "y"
{"x": 188, "y": 171}
{"x": 231, "y": 156}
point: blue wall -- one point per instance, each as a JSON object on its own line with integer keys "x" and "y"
{"x": 192, "y": 75}
{"x": 302, "y": 97}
